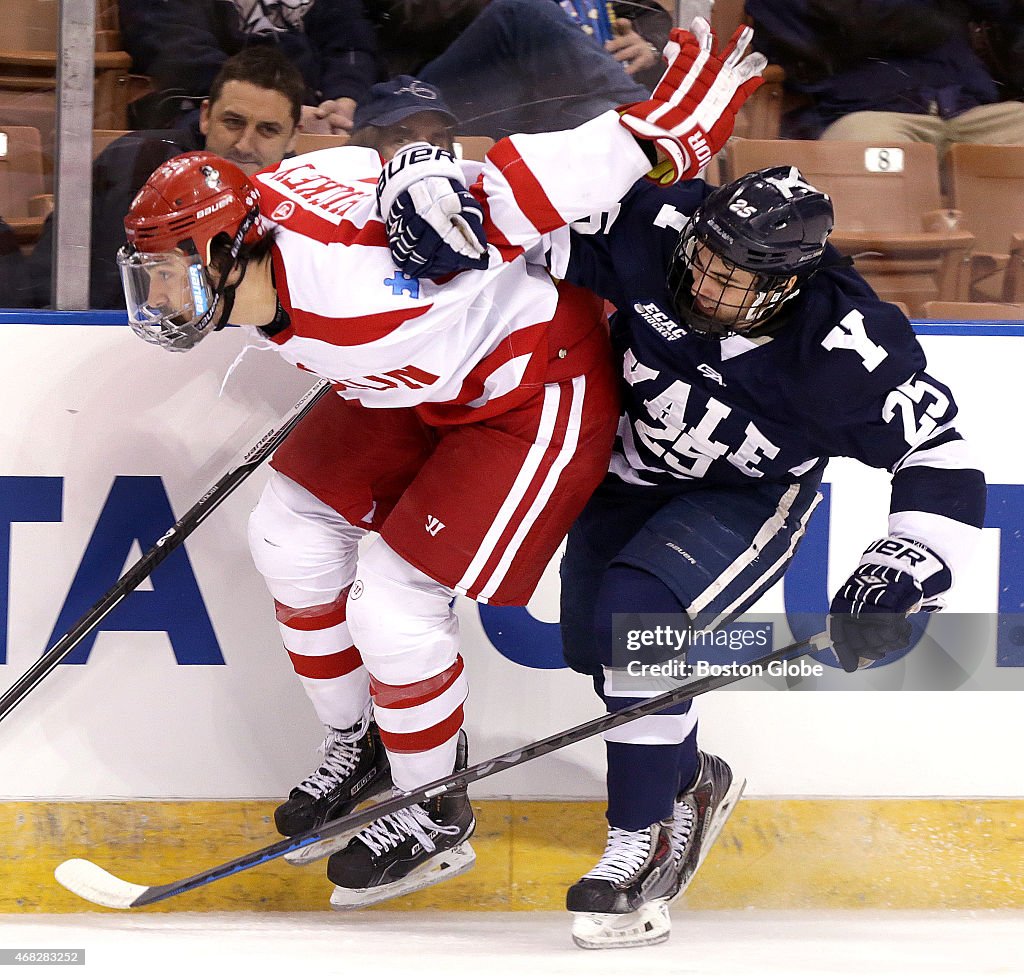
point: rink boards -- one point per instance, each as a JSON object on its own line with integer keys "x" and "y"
{"x": 185, "y": 693}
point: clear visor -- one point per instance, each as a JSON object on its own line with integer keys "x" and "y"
{"x": 717, "y": 297}
{"x": 169, "y": 297}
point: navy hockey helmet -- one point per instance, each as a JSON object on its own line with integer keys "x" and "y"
{"x": 747, "y": 249}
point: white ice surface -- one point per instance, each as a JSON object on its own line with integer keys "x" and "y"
{"x": 378, "y": 944}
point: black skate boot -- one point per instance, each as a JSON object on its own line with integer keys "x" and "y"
{"x": 699, "y": 814}
{"x": 623, "y": 900}
{"x": 407, "y": 851}
{"x": 355, "y": 770}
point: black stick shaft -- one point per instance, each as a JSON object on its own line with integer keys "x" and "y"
{"x": 167, "y": 543}
{"x": 460, "y": 779}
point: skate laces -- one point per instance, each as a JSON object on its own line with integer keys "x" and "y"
{"x": 341, "y": 750}
{"x": 624, "y": 855}
{"x": 391, "y": 831}
{"x": 683, "y": 818}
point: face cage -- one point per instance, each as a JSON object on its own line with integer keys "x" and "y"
{"x": 758, "y": 301}
{"x": 169, "y": 297}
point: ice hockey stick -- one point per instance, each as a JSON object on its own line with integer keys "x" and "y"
{"x": 170, "y": 541}
{"x": 92, "y": 882}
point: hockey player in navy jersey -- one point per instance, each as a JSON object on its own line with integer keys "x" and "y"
{"x": 751, "y": 354}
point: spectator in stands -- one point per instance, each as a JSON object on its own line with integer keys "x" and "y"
{"x": 520, "y": 65}
{"x": 999, "y": 42}
{"x": 640, "y": 34}
{"x": 886, "y": 70}
{"x": 250, "y": 118}
{"x": 12, "y": 269}
{"x": 401, "y": 111}
{"x": 182, "y": 44}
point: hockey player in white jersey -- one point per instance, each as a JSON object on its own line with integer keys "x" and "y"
{"x": 473, "y": 416}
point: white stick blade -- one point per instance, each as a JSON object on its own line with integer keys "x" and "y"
{"x": 93, "y": 883}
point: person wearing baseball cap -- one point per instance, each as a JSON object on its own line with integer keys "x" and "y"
{"x": 401, "y": 111}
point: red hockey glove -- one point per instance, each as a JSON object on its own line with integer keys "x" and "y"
{"x": 693, "y": 109}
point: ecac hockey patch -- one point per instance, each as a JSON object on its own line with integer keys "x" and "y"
{"x": 664, "y": 325}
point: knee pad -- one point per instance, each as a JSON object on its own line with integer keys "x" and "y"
{"x": 401, "y": 619}
{"x": 305, "y": 550}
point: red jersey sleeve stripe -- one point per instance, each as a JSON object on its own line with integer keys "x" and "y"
{"x": 351, "y": 331}
{"x": 526, "y": 189}
{"x": 311, "y": 225}
{"x": 495, "y": 236}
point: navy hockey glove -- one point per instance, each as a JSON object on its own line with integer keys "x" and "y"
{"x": 436, "y": 228}
{"x": 434, "y": 225}
{"x": 868, "y": 616}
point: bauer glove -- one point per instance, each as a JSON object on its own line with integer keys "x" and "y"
{"x": 868, "y": 616}
{"x": 693, "y": 109}
{"x": 434, "y": 225}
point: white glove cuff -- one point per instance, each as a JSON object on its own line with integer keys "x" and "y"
{"x": 914, "y": 558}
{"x": 411, "y": 164}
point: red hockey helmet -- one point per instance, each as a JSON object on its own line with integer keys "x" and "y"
{"x": 186, "y": 203}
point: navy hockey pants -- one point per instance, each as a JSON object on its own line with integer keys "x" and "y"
{"x": 708, "y": 553}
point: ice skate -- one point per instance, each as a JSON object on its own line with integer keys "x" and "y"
{"x": 354, "y": 771}
{"x": 407, "y": 851}
{"x": 700, "y": 812}
{"x": 623, "y": 900}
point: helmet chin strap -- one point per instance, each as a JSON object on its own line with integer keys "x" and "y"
{"x": 281, "y": 318}
{"x": 227, "y": 294}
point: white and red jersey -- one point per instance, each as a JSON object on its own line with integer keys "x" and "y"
{"x": 470, "y": 343}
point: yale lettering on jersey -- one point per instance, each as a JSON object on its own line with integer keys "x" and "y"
{"x": 690, "y": 449}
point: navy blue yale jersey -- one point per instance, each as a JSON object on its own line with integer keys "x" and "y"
{"x": 841, "y": 374}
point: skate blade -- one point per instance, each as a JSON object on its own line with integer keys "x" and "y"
{"x": 326, "y": 847}
{"x": 445, "y": 865}
{"x": 650, "y": 924}
{"x": 714, "y": 830}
